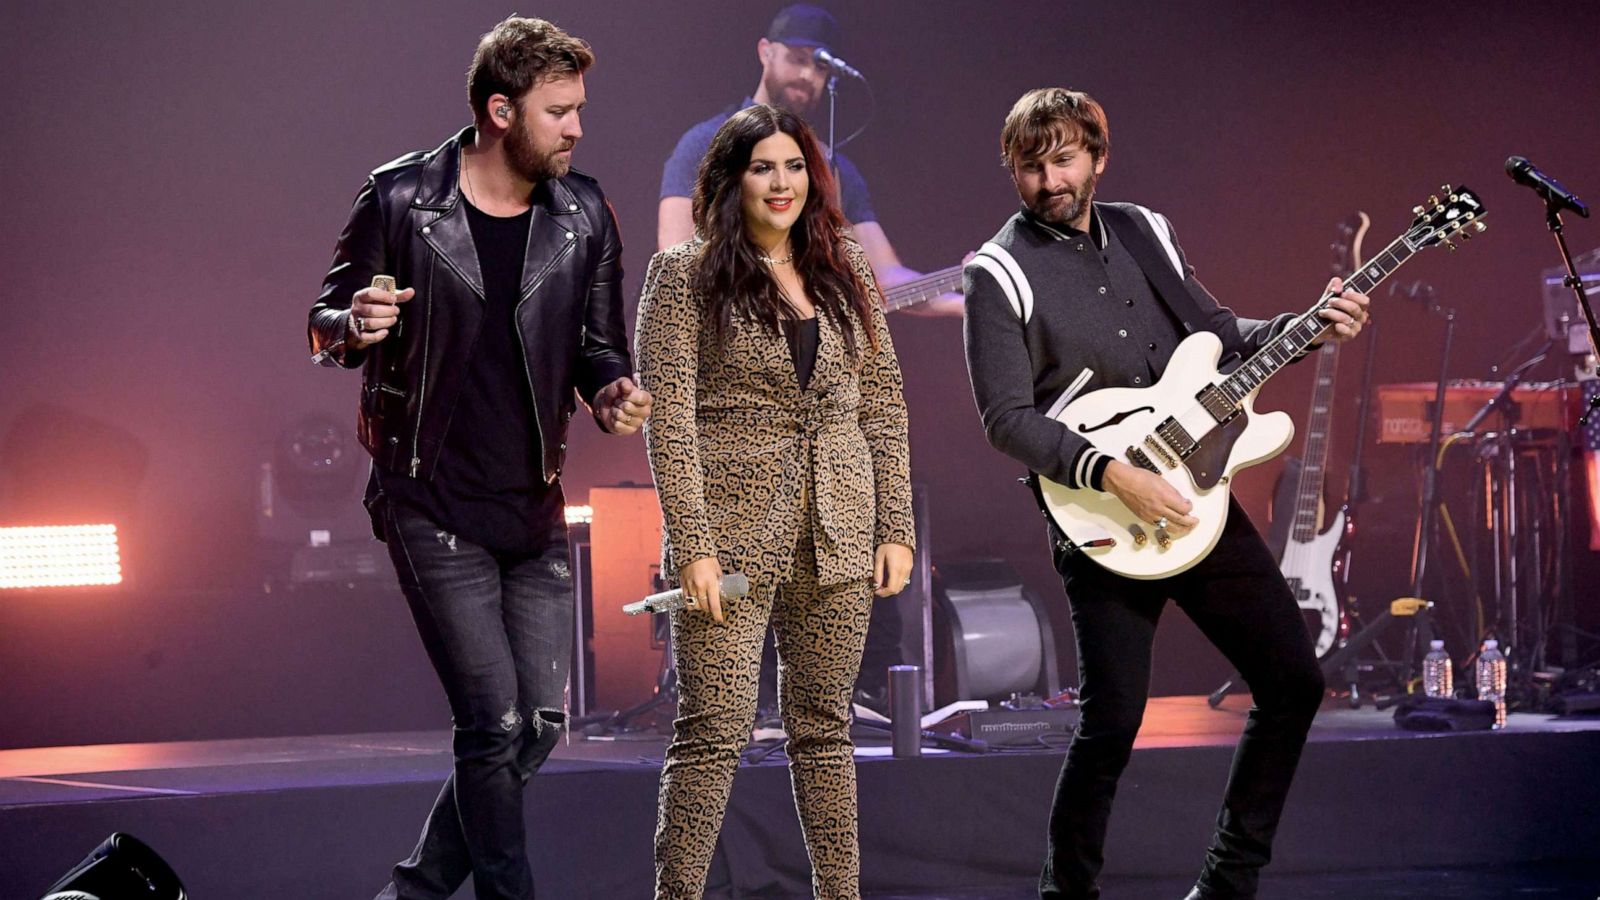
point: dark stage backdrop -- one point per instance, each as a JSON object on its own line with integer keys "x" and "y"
{"x": 176, "y": 173}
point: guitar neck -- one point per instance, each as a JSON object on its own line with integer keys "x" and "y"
{"x": 1314, "y": 465}
{"x": 1310, "y": 326}
{"x": 922, "y": 289}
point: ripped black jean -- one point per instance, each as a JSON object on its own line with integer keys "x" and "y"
{"x": 498, "y": 630}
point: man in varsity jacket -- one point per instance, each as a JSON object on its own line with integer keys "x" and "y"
{"x": 1069, "y": 286}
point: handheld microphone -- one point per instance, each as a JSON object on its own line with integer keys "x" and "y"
{"x": 839, "y": 65}
{"x": 733, "y": 584}
{"x": 1526, "y": 174}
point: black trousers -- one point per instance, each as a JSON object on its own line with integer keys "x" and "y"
{"x": 1240, "y": 602}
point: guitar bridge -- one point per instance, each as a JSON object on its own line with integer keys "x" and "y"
{"x": 1161, "y": 452}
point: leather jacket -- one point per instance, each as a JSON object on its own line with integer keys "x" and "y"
{"x": 409, "y": 222}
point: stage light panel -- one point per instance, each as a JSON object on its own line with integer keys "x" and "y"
{"x": 59, "y": 556}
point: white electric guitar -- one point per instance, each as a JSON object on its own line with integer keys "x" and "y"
{"x": 1196, "y": 427}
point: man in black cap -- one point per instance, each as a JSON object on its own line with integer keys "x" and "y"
{"x": 791, "y": 77}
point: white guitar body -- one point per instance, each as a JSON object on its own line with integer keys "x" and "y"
{"x": 1098, "y": 522}
{"x": 1196, "y": 427}
{"x": 1308, "y": 567}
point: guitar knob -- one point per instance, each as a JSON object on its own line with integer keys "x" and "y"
{"x": 1163, "y": 540}
{"x": 1139, "y": 537}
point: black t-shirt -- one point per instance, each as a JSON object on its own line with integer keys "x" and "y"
{"x": 488, "y": 486}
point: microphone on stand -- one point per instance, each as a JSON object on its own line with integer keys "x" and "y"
{"x": 1526, "y": 174}
{"x": 1416, "y": 290}
{"x": 844, "y": 68}
{"x": 733, "y": 584}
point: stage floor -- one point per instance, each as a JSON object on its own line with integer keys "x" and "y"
{"x": 323, "y": 816}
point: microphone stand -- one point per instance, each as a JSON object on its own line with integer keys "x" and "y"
{"x": 1552, "y": 217}
{"x": 1501, "y": 453}
{"x": 1502, "y": 398}
{"x": 833, "y": 96}
{"x": 1338, "y": 666}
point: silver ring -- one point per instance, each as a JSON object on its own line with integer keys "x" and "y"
{"x": 361, "y": 324}
{"x": 1161, "y": 522}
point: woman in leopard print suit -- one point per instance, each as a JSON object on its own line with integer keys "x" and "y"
{"x": 778, "y": 444}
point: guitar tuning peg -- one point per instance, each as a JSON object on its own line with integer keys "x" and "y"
{"x": 1466, "y": 235}
{"x": 1433, "y": 199}
{"x": 1416, "y": 210}
{"x": 1449, "y": 246}
{"x": 1480, "y": 227}
{"x": 1445, "y": 189}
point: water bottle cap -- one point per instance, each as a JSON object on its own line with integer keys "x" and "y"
{"x": 1491, "y": 644}
{"x": 1436, "y": 645}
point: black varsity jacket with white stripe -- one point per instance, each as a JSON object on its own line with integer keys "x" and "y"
{"x": 1048, "y": 318}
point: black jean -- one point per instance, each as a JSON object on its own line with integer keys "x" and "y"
{"x": 498, "y": 631}
{"x": 1240, "y": 602}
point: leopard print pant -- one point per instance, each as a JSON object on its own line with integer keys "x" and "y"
{"x": 821, "y": 630}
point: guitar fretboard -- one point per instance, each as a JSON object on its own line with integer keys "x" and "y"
{"x": 1313, "y": 468}
{"x": 922, "y": 289}
{"x": 1306, "y": 330}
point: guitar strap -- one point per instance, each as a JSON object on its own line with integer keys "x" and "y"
{"x": 1159, "y": 268}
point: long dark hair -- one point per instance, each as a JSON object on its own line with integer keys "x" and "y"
{"x": 729, "y": 274}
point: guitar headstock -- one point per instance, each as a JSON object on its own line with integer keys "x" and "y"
{"x": 1459, "y": 212}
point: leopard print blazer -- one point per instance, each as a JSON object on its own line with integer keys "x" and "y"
{"x": 736, "y": 446}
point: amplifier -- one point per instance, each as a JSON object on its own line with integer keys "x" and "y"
{"x": 1012, "y": 727}
{"x": 1405, "y": 411}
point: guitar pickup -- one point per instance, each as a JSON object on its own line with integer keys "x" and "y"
{"x": 1177, "y": 437}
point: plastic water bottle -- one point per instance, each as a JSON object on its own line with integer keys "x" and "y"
{"x": 1437, "y": 678}
{"x": 1492, "y": 680}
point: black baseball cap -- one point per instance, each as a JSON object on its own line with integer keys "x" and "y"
{"x": 804, "y": 25}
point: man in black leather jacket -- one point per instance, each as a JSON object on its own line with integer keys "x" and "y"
{"x": 505, "y": 301}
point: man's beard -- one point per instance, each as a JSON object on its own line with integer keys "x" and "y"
{"x": 528, "y": 162}
{"x": 777, "y": 95}
{"x": 1054, "y": 214}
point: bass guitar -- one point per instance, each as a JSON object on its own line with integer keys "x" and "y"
{"x": 1307, "y": 552}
